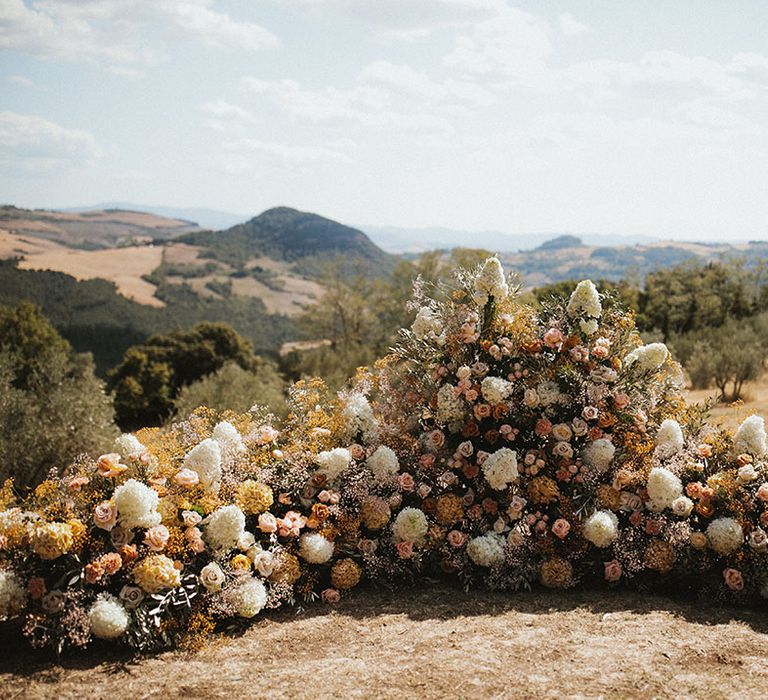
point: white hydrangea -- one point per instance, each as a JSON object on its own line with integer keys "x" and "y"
{"x": 647, "y": 358}
{"x": 548, "y": 393}
{"x": 495, "y": 389}
{"x": 247, "y": 597}
{"x": 107, "y": 617}
{"x": 333, "y": 462}
{"x": 315, "y": 548}
{"x": 585, "y": 301}
{"x": 410, "y": 525}
{"x": 601, "y": 528}
{"x": 588, "y": 326}
{"x": 136, "y": 505}
{"x": 224, "y": 527}
{"x": 427, "y": 325}
{"x": 725, "y": 535}
{"x": 486, "y": 550}
{"x": 598, "y": 454}
{"x": 449, "y": 406}
{"x": 669, "y": 438}
{"x": 383, "y": 462}
{"x": 229, "y": 439}
{"x": 128, "y": 445}
{"x": 664, "y": 487}
{"x": 205, "y": 460}
{"x": 751, "y": 437}
{"x": 358, "y": 415}
{"x": 500, "y": 468}
{"x": 490, "y": 282}
{"x": 13, "y": 595}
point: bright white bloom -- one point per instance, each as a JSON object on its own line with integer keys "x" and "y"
{"x": 490, "y": 282}
{"x": 682, "y": 506}
{"x": 315, "y": 548}
{"x": 449, "y": 406}
{"x": 136, "y": 505}
{"x": 205, "y": 460}
{"x": 410, "y": 525}
{"x": 358, "y": 415}
{"x": 212, "y": 577}
{"x": 495, "y": 389}
{"x": 487, "y": 550}
{"x": 107, "y": 617}
{"x": 383, "y": 462}
{"x": 585, "y": 301}
{"x": 13, "y": 595}
{"x": 750, "y": 437}
{"x": 758, "y": 540}
{"x": 427, "y": 325}
{"x": 128, "y": 445}
{"x": 663, "y": 487}
{"x": 669, "y": 438}
{"x": 598, "y": 454}
{"x": 248, "y": 597}
{"x": 588, "y": 326}
{"x": 224, "y": 527}
{"x": 725, "y": 535}
{"x": 500, "y": 468}
{"x": 601, "y": 528}
{"x": 647, "y": 358}
{"x": 747, "y": 474}
{"x": 333, "y": 462}
{"x": 229, "y": 439}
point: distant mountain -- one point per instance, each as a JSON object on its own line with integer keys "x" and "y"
{"x": 399, "y": 240}
{"x": 289, "y": 235}
{"x": 201, "y": 216}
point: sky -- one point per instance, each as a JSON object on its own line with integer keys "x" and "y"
{"x": 632, "y": 118}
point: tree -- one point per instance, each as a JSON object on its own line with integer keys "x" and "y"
{"x": 52, "y": 406}
{"x": 148, "y": 380}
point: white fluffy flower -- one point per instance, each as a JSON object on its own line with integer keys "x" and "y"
{"x": 585, "y": 301}
{"x": 500, "y": 468}
{"x": 588, "y": 326}
{"x": 107, "y": 617}
{"x": 548, "y": 393}
{"x": 601, "y": 528}
{"x": 13, "y": 595}
{"x": 427, "y": 325}
{"x": 224, "y": 527}
{"x": 205, "y": 460}
{"x": 128, "y": 445}
{"x": 663, "y": 487}
{"x": 136, "y": 505}
{"x": 647, "y": 358}
{"x": 333, "y": 462}
{"x": 750, "y": 437}
{"x": 247, "y": 597}
{"x": 490, "y": 282}
{"x": 598, "y": 454}
{"x": 315, "y": 548}
{"x": 358, "y": 415}
{"x": 449, "y": 406}
{"x": 669, "y": 438}
{"x": 410, "y": 525}
{"x": 487, "y": 550}
{"x": 383, "y": 462}
{"x": 495, "y": 389}
{"x": 229, "y": 439}
{"x": 725, "y": 535}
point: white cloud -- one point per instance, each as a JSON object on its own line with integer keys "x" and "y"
{"x": 570, "y": 26}
{"x": 291, "y": 153}
{"x": 33, "y": 143}
{"x": 120, "y": 32}
{"x": 22, "y": 80}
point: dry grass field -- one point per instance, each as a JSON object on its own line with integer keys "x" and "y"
{"x": 438, "y": 643}
{"x": 754, "y": 400}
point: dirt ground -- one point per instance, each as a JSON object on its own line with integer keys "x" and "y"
{"x": 438, "y": 643}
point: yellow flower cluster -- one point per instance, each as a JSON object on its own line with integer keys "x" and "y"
{"x": 156, "y": 573}
{"x": 52, "y": 540}
{"x": 254, "y": 497}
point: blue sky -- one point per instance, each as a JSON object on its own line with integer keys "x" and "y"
{"x": 584, "y": 116}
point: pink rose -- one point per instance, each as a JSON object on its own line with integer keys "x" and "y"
{"x": 553, "y": 338}
{"x": 406, "y": 482}
{"x": 78, "y": 482}
{"x": 424, "y": 490}
{"x": 590, "y": 413}
{"x": 482, "y": 410}
{"x": 157, "y": 537}
{"x": 471, "y": 395}
{"x": 543, "y": 427}
{"x": 653, "y": 527}
{"x": 733, "y": 579}
{"x": 436, "y": 439}
{"x": 36, "y": 587}
{"x": 456, "y": 538}
{"x": 191, "y": 517}
{"x": 404, "y": 550}
{"x": 613, "y": 571}
{"x": 267, "y": 522}
{"x": 195, "y": 539}
{"x": 621, "y": 401}
{"x": 635, "y": 518}
{"x": 561, "y": 528}
{"x": 330, "y": 596}
{"x": 105, "y": 515}
{"x": 427, "y": 460}
{"x": 357, "y": 451}
{"x": 265, "y": 435}
{"x": 186, "y": 478}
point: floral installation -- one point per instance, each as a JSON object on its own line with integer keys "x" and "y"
{"x": 500, "y": 444}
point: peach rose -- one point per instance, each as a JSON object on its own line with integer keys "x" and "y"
{"x": 543, "y": 427}
{"x": 561, "y": 528}
{"x": 733, "y": 579}
{"x": 456, "y": 538}
{"x": 406, "y": 482}
{"x": 330, "y": 596}
{"x": 109, "y": 465}
{"x": 613, "y": 571}
{"x": 78, "y": 482}
{"x": 112, "y": 563}
{"x": 267, "y": 522}
{"x": 482, "y": 410}
{"x": 157, "y": 537}
{"x": 186, "y": 478}
{"x": 436, "y": 439}
{"x": 94, "y": 571}
{"x": 620, "y": 401}
{"x": 404, "y": 549}
{"x": 553, "y": 338}
{"x": 762, "y": 492}
{"x": 191, "y": 518}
